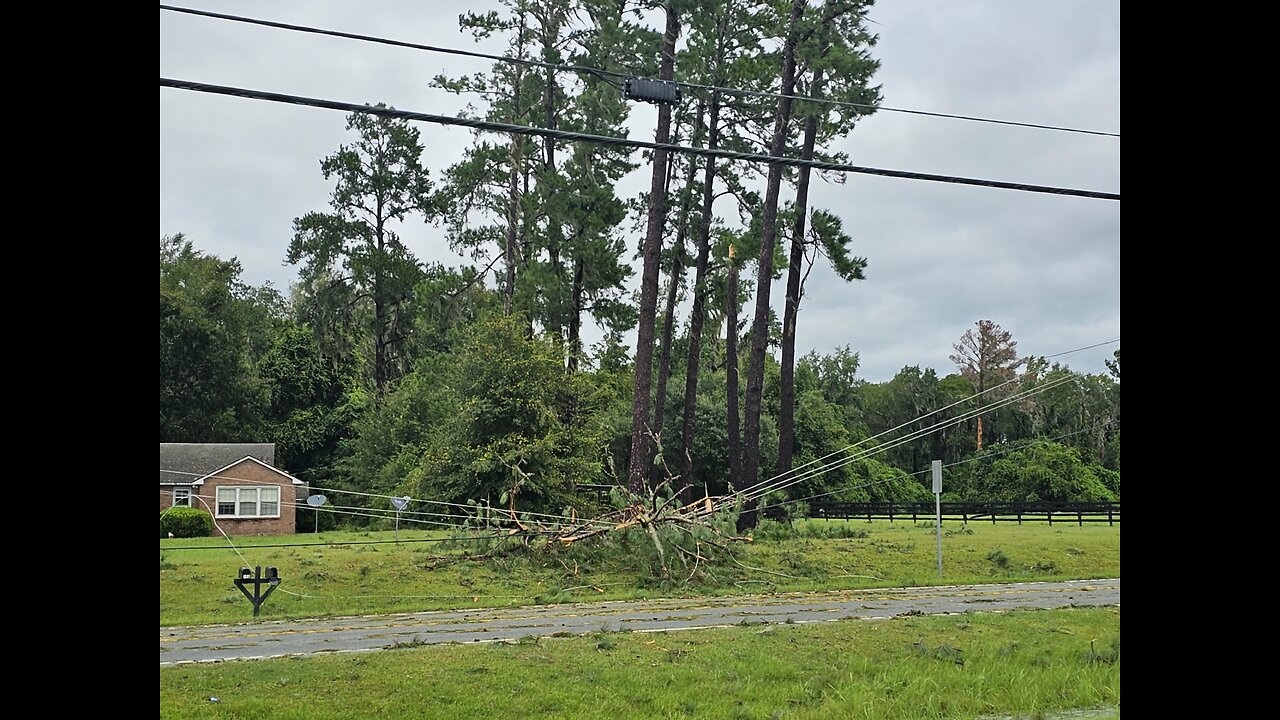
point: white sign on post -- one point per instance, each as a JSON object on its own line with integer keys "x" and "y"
{"x": 937, "y": 499}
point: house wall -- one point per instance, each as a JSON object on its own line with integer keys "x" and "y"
{"x": 248, "y": 472}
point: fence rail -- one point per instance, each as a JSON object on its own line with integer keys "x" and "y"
{"x": 1061, "y": 512}
{"x": 993, "y": 512}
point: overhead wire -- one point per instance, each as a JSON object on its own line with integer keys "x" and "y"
{"x": 605, "y": 74}
{"x": 570, "y": 136}
{"x": 1033, "y": 442}
{"x": 895, "y": 442}
{"x": 961, "y": 401}
{"x": 464, "y": 506}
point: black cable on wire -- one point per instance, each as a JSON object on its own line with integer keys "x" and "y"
{"x": 602, "y": 73}
{"x": 620, "y": 142}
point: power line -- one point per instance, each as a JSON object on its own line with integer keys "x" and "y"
{"x": 1086, "y": 347}
{"x": 316, "y": 544}
{"x": 620, "y": 142}
{"x": 752, "y": 489}
{"x": 471, "y": 509}
{"x": 909, "y": 437}
{"x": 1031, "y": 443}
{"x": 959, "y": 462}
{"x": 464, "y": 506}
{"x": 581, "y": 69}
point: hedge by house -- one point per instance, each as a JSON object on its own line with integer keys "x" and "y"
{"x": 185, "y": 522}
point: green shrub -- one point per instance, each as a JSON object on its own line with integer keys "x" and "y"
{"x": 185, "y": 522}
{"x": 999, "y": 559}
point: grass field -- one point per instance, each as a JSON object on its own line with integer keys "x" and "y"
{"x": 325, "y": 579}
{"x": 1017, "y": 664}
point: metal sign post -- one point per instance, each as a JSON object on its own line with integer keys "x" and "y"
{"x": 937, "y": 498}
{"x": 399, "y": 504}
{"x": 316, "y": 501}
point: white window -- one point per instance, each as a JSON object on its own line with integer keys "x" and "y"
{"x": 182, "y": 497}
{"x": 248, "y": 502}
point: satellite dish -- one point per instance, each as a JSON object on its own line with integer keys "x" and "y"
{"x": 401, "y": 503}
{"x": 316, "y": 500}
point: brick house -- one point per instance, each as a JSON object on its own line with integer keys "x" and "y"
{"x": 236, "y": 482}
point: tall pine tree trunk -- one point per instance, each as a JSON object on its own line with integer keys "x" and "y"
{"x": 379, "y": 315}
{"x": 575, "y": 316}
{"x": 787, "y": 385}
{"x": 731, "y": 374}
{"x": 677, "y": 277}
{"x": 764, "y": 275}
{"x": 640, "y": 444}
{"x": 512, "y": 249}
{"x": 698, "y": 313}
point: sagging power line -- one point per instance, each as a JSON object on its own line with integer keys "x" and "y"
{"x": 566, "y": 135}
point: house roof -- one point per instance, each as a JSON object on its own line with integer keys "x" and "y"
{"x": 184, "y": 463}
{"x": 268, "y": 466}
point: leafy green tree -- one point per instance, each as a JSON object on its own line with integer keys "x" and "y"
{"x": 210, "y": 327}
{"x": 914, "y": 400}
{"x": 1081, "y": 410}
{"x": 498, "y": 419}
{"x": 521, "y": 426}
{"x": 351, "y": 257}
{"x": 1040, "y": 472}
{"x": 312, "y": 405}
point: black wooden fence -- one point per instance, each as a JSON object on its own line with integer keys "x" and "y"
{"x": 1051, "y": 512}
{"x": 1060, "y": 512}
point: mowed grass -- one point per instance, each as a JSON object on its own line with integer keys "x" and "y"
{"x": 1020, "y": 664}
{"x": 324, "y": 580}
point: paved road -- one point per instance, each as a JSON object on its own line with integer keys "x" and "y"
{"x": 300, "y": 637}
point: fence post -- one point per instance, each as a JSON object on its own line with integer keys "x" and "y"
{"x": 1079, "y": 517}
{"x": 1110, "y": 522}
{"x": 1049, "y": 513}
{"x": 890, "y": 512}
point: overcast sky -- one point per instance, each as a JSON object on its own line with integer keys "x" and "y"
{"x": 234, "y": 173}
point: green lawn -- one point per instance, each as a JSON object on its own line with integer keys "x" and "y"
{"x": 1020, "y": 664}
{"x": 195, "y": 585}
